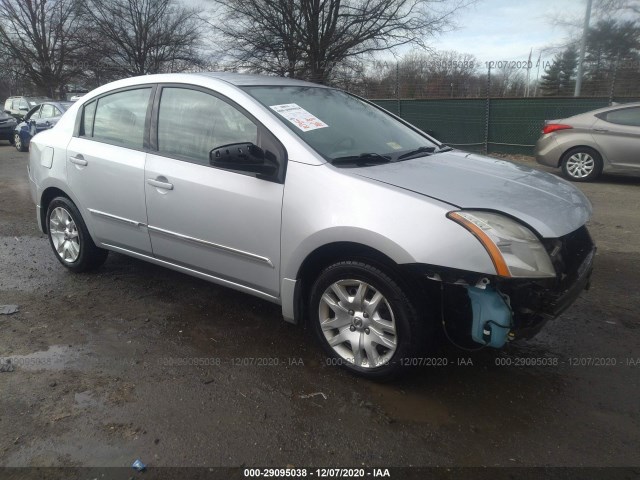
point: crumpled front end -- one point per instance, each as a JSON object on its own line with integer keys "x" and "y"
{"x": 491, "y": 310}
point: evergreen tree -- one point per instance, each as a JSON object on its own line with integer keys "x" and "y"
{"x": 568, "y": 65}
{"x": 551, "y": 81}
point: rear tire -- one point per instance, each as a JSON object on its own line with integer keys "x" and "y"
{"x": 70, "y": 239}
{"x": 581, "y": 164}
{"x": 365, "y": 321}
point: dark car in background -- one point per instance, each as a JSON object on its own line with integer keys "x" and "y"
{"x": 7, "y": 126}
{"x": 41, "y": 117}
{"x": 19, "y": 106}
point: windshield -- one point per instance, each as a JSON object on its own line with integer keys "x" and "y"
{"x": 341, "y": 127}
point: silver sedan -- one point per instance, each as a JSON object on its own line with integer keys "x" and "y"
{"x": 585, "y": 145}
{"x": 358, "y": 224}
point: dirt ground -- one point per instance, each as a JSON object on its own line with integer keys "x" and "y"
{"x": 136, "y": 361}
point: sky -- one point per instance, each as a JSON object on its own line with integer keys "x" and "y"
{"x": 494, "y": 30}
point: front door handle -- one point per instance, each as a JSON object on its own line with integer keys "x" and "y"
{"x": 159, "y": 184}
{"x": 78, "y": 160}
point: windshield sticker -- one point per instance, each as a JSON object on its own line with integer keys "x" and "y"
{"x": 297, "y": 115}
{"x": 394, "y": 145}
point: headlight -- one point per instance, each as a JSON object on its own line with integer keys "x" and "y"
{"x": 513, "y": 248}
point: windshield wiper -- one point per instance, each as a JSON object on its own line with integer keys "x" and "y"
{"x": 443, "y": 148}
{"x": 362, "y": 159}
{"x": 417, "y": 151}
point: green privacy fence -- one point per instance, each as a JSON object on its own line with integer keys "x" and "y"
{"x": 504, "y": 125}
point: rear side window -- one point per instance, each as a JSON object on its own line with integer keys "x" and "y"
{"x": 8, "y": 104}
{"x": 120, "y": 117}
{"x": 192, "y": 123}
{"x": 624, "y": 116}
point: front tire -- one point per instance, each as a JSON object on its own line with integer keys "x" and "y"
{"x": 70, "y": 239}
{"x": 581, "y": 164}
{"x": 365, "y": 321}
{"x": 17, "y": 142}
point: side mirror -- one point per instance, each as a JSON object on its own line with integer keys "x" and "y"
{"x": 245, "y": 157}
{"x": 23, "y": 109}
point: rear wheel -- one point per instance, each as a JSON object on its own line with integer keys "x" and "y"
{"x": 70, "y": 239}
{"x": 365, "y": 321}
{"x": 582, "y": 164}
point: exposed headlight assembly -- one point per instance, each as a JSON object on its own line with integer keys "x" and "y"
{"x": 513, "y": 248}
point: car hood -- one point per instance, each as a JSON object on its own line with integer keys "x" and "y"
{"x": 548, "y": 204}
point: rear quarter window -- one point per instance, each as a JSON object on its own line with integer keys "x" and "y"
{"x": 624, "y": 116}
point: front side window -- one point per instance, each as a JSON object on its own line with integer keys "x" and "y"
{"x": 338, "y": 125}
{"x": 120, "y": 118}
{"x": 33, "y": 114}
{"x": 23, "y": 104}
{"x": 624, "y": 116}
{"x": 48, "y": 111}
{"x": 192, "y": 123}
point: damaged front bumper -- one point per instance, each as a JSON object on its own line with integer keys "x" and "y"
{"x": 492, "y": 310}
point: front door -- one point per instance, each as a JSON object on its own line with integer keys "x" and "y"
{"x": 220, "y": 222}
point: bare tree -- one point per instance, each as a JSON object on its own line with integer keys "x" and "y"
{"x": 309, "y": 38}
{"x": 39, "y": 36}
{"x": 138, "y": 37}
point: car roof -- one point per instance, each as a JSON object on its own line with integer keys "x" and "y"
{"x": 611, "y": 107}
{"x": 244, "y": 80}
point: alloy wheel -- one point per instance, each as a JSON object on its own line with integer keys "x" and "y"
{"x": 580, "y": 165}
{"x": 64, "y": 235}
{"x": 358, "y": 323}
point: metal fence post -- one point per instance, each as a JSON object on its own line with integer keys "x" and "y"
{"x": 486, "y": 113}
{"x": 613, "y": 81}
{"x": 399, "y": 109}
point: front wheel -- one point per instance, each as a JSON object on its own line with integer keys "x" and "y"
{"x": 365, "y": 321}
{"x": 17, "y": 142}
{"x": 70, "y": 239}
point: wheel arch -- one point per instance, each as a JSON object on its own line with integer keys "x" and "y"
{"x": 48, "y": 194}
{"x": 595, "y": 148}
{"x": 333, "y": 252}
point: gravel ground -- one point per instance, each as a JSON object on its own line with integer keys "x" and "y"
{"x": 136, "y": 361}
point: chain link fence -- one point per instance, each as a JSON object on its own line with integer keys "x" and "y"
{"x": 485, "y": 107}
{"x": 501, "y": 125}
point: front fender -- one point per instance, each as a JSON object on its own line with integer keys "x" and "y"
{"x": 323, "y": 205}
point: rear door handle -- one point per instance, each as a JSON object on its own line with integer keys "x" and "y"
{"x": 600, "y": 130}
{"x": 159, "y": 184}
{"x": 78, "y": 160}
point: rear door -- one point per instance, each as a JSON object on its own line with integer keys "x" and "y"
{"x": 220, "y": 222}
{"x": 617, "y": 132}
{"x": 105, "y": 167}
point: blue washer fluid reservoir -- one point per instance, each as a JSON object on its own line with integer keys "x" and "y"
{"x": 491, "y": 317}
